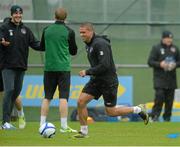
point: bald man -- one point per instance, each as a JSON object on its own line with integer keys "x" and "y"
{"x": 58, "y": 42}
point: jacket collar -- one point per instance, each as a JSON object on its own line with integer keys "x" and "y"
{"x": 13, "y": 24}
{"x": 165, "y": 46}
{"x": 93, "y": 37}
{"x": 59, "y": 22}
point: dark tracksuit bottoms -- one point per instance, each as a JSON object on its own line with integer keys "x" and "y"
{"x": 161, "y": 96}
{"x": 11, "y": 77}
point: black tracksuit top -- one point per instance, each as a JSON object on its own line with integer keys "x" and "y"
{"x": 100, "y": 57}
{"x": 163, "y": 79}
{"x": 20, "y": 38}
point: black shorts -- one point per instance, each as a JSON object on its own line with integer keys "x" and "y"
{"x": 1, "y": 82}
{"x": 108, "y": 90}
{"x": 54, "y": 79}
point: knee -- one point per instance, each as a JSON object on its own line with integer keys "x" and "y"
{"x": 9, "y": 92}
{"x": 110, "y": 111}
{"x": 159, "y": 94}
{"x": 81, "y": 103}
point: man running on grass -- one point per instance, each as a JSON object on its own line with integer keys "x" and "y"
{"x": 103, "y": 80}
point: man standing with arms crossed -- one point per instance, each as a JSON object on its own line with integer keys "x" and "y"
{"x": 58, "y": 41}
{"x": 103, "y": 80}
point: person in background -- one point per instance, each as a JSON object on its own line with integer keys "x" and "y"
{"x": 164, "y": 58}
{"x": 58, "y": 41}
{"x": 18, "y": 103}
{"x": 15, "y": 38}
{"x": 103, "y": 80}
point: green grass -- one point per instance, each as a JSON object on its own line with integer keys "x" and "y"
{"x": 101, "y": 134}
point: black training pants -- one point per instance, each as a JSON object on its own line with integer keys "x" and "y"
{"x": 12, "y": 80}
{"x": 163, "y": 96}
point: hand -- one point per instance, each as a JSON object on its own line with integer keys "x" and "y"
{"x": 171, "y": 66}
{"x": 164, "y": 65}
{"x": 82, "y": 73}
{"x": 4, "y": 42}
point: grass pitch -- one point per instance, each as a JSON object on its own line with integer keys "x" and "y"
{"x": 101, "y": 134}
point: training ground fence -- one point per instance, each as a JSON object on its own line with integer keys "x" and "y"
{"x": 133, "y": 26}
{"x": 131, "y": 41}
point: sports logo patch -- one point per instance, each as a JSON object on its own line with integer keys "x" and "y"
{"x": 101, "y": 53}
{"x": 108, "y": 104}
{"x": 23, "y": 31}
{"x": 172, "y": 49}
{"x": 10, "y": 32}
{"x": 162, "y": 51}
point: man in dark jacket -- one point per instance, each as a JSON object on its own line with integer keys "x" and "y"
{"x": 18, "y": 102}
{"x": 164, "y": 59}
{"x": 15, "y": 38}
{"x": 103, "y": 80}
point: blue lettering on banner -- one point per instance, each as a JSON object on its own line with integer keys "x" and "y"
{"x": 33, "y": 91}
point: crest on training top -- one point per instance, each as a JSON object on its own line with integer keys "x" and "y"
{"x": 10, "y": 32}
{"x": 162, "y": 51}
{"x": 173, "y": 49}
{"x": 23, "y": 31}
{"x": 101, "y": 53}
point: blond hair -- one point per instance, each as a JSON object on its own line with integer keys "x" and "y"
{"x": 60, "y": 14}
{"x": 88, "y": 26}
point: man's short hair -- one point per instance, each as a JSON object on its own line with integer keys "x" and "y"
{"x": 87, "y": 25}
{"x": 60, "y": 14}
